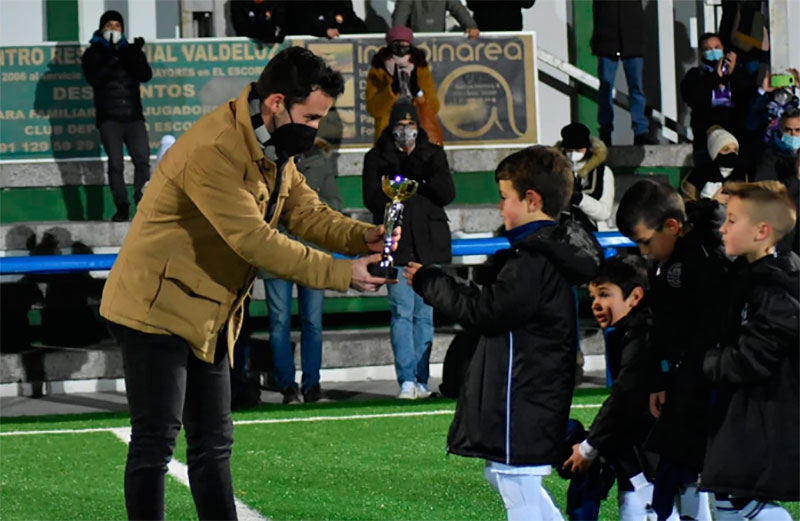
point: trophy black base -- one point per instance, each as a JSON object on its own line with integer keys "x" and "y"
{"x": 384, "y": 272}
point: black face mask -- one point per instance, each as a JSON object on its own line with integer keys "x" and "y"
{"x": 292, "y": 138}
{"x": 400, "y": 48}
{"x": 727, "y": 160}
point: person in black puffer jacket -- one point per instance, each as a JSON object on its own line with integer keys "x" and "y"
{"x": 514, "y": 405}
{"x": 115, "y": 68}
{"x": 404, "y": 149}
{"x": 752, "y": 457}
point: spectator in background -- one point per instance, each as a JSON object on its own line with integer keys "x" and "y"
{"x": 618, "y": 35}
{"x": 705, "y": 181}
{"x": 491, "y": 15}
{"x": 770, "y": 103}
{"x": 325, "y": 19}
{"x": 718, "y": 93}
{"x": 780, "y": 162}
{"x": 400, "y": 69}
{"x": 319, "y": 167}
{"x": 593, "y": 191}
{"x": 262, "y": 20}
{"x": 115, "y": 68}
{"x": 404, "y": 149}
{"x": 426, "y": 16}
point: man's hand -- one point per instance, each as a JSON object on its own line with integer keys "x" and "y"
{"x": 473, "y": 33}
{"x": 361, "y": 280}
{"x": 410, "y": 270}
{"x": 766, "y": 83}
{"x": 332, "y": 33}
{"x": 729, "y": 62}
{"x": 373, "y": 238}
{"x": 576, "y": 463}
{"x": 657, "y": 401}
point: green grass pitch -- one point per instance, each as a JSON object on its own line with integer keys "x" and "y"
{"x": 336, "y": 461}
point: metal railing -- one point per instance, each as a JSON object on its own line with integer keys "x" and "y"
{"x": 30, "y": 264}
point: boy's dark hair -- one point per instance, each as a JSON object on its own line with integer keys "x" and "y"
{"x": 650, "y": 203}
{"x": 770, "y": 202}
{"x": 296, "y": 72}
{"x": 625, "y": 271}
{"x": 543, "y": 170}
{"x": 793, "y": 112}
{"x": 706, "y": 36}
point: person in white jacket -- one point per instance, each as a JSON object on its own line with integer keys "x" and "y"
{"x": 592, "y": 198}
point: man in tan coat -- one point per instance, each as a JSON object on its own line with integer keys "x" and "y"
{"x": 207, "y": 222}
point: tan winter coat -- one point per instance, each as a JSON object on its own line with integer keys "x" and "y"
{"x": 200, "y": 235}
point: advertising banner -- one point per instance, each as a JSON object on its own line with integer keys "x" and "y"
{"x": 486, "y": 88}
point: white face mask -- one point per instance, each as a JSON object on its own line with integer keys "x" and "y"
{"x": 112, "y": 36}
{"x": 575, "y": 156}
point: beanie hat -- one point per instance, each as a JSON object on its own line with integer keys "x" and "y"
{"x": 718, "y": 137}
{"x": 575, "y": 136}
{"x": 109, "y": 16}
{"x": 401, "y": 32}
{"x": 403, "y": 109}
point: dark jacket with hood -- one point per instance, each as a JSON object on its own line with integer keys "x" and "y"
{"x": 618, "y": 28}
{"x": 315, "y": 18}
{"x": 491, "y": 15}
{"x": 264, "y": 20}
{"x": 621, "y": 427}
{"x": 426, "y": 233}
{"x": 115, "y": 72}
{"x": 514, "y": 405}
{"x": 753, "y": 449}
{"x": 687, "y": 295}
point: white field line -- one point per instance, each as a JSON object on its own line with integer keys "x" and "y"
{"x": 281, "y": 420}
{"x": 180, "y": 472}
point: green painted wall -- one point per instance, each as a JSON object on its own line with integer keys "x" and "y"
{"x": 62, "y": 20}
{"x": 582, "y": 34}
{"x": 94, "y": 202}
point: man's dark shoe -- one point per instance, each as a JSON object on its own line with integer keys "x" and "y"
{"x": 291, "y": 395}
{"x": 313, "y": 394}
{"x": 123, "y": 213}
{"x": 644, "y": 139}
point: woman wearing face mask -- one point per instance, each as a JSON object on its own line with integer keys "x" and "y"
{"x": 400, "y": 69}
{"x": 115, "y": 68}
{"x": 705, "y": 181}
{"x": 593, "y": 192}
{"x": 403, "y": 148}
{"x": 719, "y": 92}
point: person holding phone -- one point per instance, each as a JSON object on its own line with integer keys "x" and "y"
{"x": 718, "y": 92}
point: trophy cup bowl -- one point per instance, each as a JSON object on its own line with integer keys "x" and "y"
{"x": 398, "y": 189}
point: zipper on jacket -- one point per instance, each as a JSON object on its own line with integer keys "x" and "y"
{"x": 508, "y": 396}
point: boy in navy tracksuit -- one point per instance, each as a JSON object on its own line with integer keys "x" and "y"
{"x": 687, "y": 296}
{"x": 753, "y": 455}
{"x": 619, "y": 431}
{"x": 513, "y": 407}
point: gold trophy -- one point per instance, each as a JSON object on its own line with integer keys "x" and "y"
{"x": 398, "y": 189}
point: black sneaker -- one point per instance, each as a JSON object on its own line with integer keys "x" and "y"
{"x": 123, "y": 213}
{"x": 644, "y": 139}
{"x": 313, "y": 394}
{"x": 291, "y": 395}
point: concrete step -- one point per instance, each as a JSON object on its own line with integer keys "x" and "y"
{"x": 365, "y": 353}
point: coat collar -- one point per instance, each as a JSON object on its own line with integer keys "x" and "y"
{"x": 598, "y": 157}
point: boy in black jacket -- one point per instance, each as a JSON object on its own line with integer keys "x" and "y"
{"x": 618, "y": 432}
{"x": 753, "y": 457}
{"x": 686, "y": 297}
{"x": 513, "y": 407}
